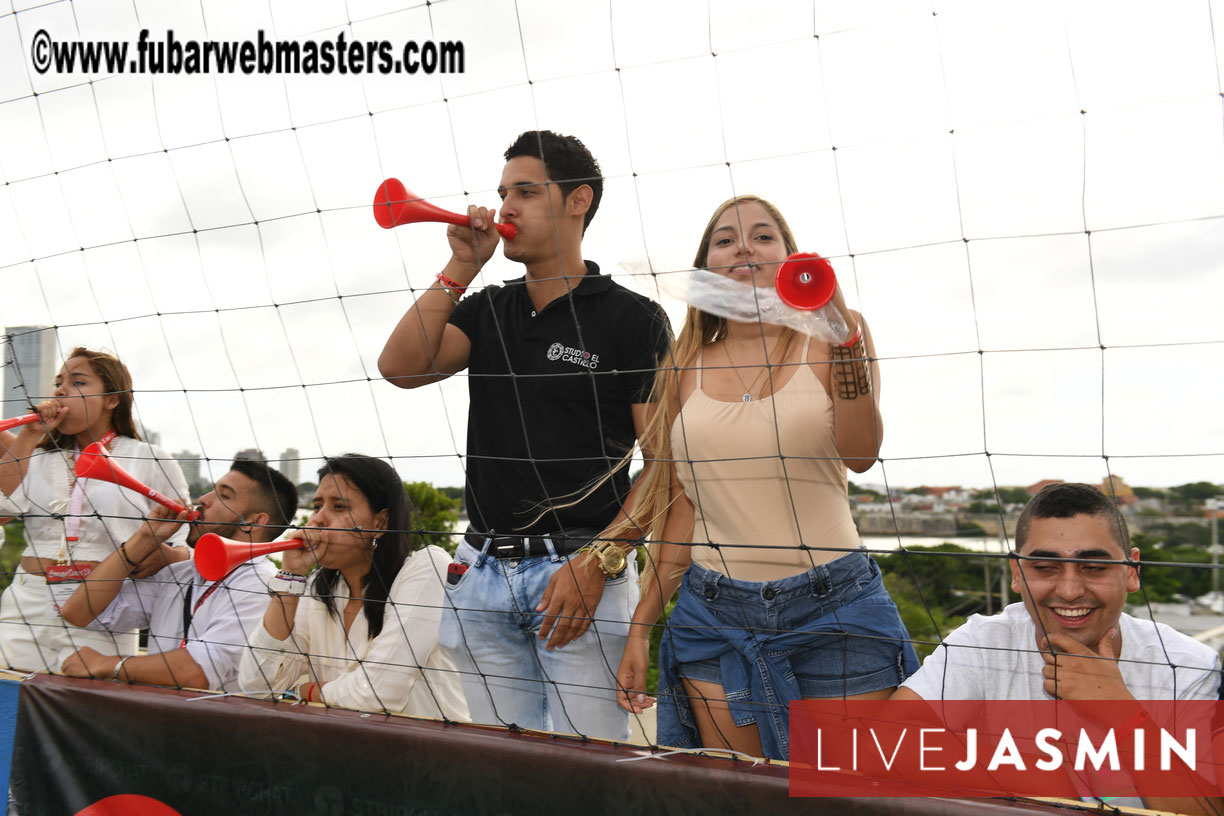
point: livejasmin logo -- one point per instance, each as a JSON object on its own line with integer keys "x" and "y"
{"x": 568, "y": 354}
{"x": 1058, "y": 748}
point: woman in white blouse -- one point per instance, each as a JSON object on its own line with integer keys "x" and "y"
{"x": 365, "y": 635}
{"x": 71, "y": 524}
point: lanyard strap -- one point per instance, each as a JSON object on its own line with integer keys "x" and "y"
{"x": 72, "y": 526}
{"x": 189, "y": 610}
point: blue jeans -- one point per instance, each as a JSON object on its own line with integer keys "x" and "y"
{"x": 832, "y": 631}
{"x": 489, "y": 630}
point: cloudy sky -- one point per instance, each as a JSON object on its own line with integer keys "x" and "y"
{"x": 1025, "y": 199}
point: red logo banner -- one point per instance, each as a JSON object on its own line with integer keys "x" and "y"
{"x": 977, "y": 748}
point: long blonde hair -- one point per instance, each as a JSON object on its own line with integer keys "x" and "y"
{"x": 653, "y": 502}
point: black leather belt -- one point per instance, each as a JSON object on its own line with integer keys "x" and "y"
{"x": 536, "y": 546}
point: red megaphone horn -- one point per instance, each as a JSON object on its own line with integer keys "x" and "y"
{"x": 805, "y": 281}
{"x": 216, "y": 556}
{"x": 26, "y": 419}
{"x": 95, "y": 463}
{"x": 395, "y": 205}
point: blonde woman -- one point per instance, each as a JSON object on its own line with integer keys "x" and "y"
{"x": 757, "y": 425}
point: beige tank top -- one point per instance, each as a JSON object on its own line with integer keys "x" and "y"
{"x": 765, "y": 477}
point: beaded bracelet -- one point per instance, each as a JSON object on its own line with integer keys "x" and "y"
{"x": 135, "y": 565}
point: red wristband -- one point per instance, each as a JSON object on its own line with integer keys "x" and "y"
{"x": 450, "y": 284}
{"x": 858, "y": 335}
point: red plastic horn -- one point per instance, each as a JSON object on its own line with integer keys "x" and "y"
{"x": 216, "y": 556}
{"x": 805, "y": 281}
{"x": 128, "y": 804}
{"x": 26, "y": 419}
{"x": 94, "y": 463}
{"x": 395, "y": 205}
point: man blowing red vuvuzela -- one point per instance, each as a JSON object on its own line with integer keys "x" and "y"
{"x": 1070, "y": 639}
{"x": 559, "y": 367}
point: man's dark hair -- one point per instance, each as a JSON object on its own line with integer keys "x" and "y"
{"x": 1063, "y": 501}
{"x": 567, "y": 162}
{"x": 274, "y": 495}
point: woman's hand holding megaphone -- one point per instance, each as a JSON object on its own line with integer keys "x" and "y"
{"x": 302, "y": 560}
{"x": 51, "y": 413}
{"x": 852, "y": 318}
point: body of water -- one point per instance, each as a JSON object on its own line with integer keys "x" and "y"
{"x": 894, "y": 543}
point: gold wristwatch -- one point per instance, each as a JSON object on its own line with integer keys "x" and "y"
{"x": 610, "y": 558}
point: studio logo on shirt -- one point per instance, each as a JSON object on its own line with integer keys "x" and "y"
{"x": 569, "y": 354}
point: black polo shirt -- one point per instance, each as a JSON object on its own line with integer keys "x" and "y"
{"x": 550, "y": 400}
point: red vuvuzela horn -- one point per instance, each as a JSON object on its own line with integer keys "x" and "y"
{"x": 216, "y": 556}
{"x": 94, "y": 463}
{"x": 395, "y": 205}
{"x": 805, "y": 281}
{"x": 26, "y": 419}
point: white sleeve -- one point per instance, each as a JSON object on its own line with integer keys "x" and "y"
{"x": 130, "y": 609}
{"x": 15, "y": 503}
{"x": 1197, "y": 682}
{"x": 18, "y": 502}
{"x": 411, "y": 622}
{"x": 218, "y": 645}
{"x": 270, "y": 665}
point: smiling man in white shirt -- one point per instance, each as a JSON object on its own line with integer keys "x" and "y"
{"x": 1070, "y": 639}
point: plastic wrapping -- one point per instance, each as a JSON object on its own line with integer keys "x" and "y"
{"x": 720, "y": 295}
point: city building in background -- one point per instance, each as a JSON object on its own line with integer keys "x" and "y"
{"x": 290, "y": 464}
{"x": 189, "y": 463}
{"x": 29, "y": 367}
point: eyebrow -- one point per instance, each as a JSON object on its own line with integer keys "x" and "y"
{"x": 501, "y": 188}
{"x": 754, "y": 226}
{"x": 1096, "y": 555}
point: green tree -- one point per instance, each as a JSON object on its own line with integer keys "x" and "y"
{"x": 306, "y": 491}
{"x": 434, "y": 515}
{"x": 1169, "y": 535}
{"x": 1160, "y": 581}
{"x": 927, "y": 625}
{"x": 10, "y": 554}
{"x": 855, "y": 490}
{"x": 198, "y": 488}
{"x": 1197, "y": 492}
{"x": 1013, "y": 495}
{"x": 1008, "y": 495}
{"x": 935, "y": 572}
